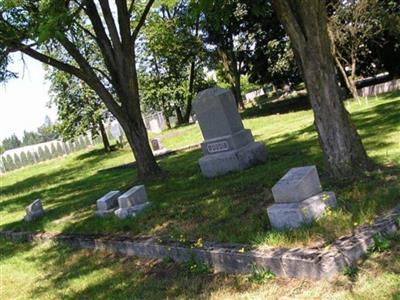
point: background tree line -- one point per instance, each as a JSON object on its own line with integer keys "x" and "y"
{"x": 46, "y": 132}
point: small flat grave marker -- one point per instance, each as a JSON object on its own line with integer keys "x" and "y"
{"x": 132, "y": 202}
{"x": 108, "y": 203}
{"x": 298, "y": 199}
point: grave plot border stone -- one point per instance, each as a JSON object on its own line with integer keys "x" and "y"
{"x": 308, "y": 263}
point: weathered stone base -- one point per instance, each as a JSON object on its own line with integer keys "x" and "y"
{"x": 224, "y": 162}
{"x": 33, "y": 216}
{"x": 123, "y": 213}
{"x": 310, "y": 263}
{"x": 160, "y": 152}
{"x": 295, "y": 214}
{"x": 104, "y": 213}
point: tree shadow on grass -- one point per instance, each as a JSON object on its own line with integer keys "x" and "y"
{"x": 278, "y": 107}
{"x": 83, "y": 274}
{"x": 9, "y": 248}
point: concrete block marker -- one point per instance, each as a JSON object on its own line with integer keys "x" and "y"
{"x": 309, "y": 263}
{"x": 298, "y": 199}
{"x": 227, "y": 145}
{"x": 132, "y": 202}
{"x": 297, "y": 184}
{"x": 107, "y": 204}
{"x": 34, "y": 211}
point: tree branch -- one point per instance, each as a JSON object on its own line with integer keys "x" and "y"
{"x": 288, "y": 19}
{"x": 102, "y": 38}
{"x": 112, "y": 29}
{"x": 142, "y": 19}
{"x": 51, "y": 61}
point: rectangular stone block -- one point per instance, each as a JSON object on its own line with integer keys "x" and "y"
{"x": 134, "y": 196}
{"x": 236, "y": 160}
{"x": 297, "y": 184}
{"x": 156, "y": 144}
{"x": 108, "y": 201}
{"x": 123, "y": 213}
{"x": 33, "y": 216}
{"x": 104, "y": 213}
{"x": 293, "y": 215}
{"x": 227, "y": 143}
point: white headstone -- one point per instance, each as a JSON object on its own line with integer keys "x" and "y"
{"x": 115, "y": 130}
{"x": 154, "y": 126}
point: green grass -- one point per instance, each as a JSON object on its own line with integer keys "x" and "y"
{"x": 230, "y": 208}
{"x": 54, "y": 271}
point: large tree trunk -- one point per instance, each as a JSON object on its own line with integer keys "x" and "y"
{"x": 229, "y": 63}
{"x": 136, "y": 134}
{"x": 179, "y": 115}
{"x": 104, "y": 137}
{"x": 192, "y": 75}
{"x": 306, "y": 24}
{"x": 116, "y": 44}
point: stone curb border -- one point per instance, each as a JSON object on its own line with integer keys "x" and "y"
{"x": 309, "y": 263}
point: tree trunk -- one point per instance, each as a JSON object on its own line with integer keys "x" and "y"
{"x": 229, "y": 63}
{"x": 238, "y": 91}
{"x": 136, "y": 133}
{"x": 104, "y": 137}
{"x": 306, "y": 26}
{"x": 166, "y": 119}
{"x": 179, "y": 115}
{"x": 192, "y": 75}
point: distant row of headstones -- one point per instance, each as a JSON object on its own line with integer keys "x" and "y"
{"x": 30, "y": 155}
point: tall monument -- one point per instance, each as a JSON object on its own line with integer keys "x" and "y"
{"x": 227, "y": 145}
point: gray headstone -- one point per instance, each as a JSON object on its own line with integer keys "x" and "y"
{"x": 134, "y": 196}
{"x": 132, "y": 211}
{"x": 295, "y": 214}
{"x": 2, "y": 167}
{"x": 41, "y": 154}
{"x": 53, "y": 151}
{"x": 47, "y": 153}
{"x": 60, "y": 151}
{"x": 297, "y": 184}
{"x": 227, "y": 145}
{"x": 67, "y": 147}
{"x": 156, "y": 144}
{"x": 108, "y": 201}
{"x": 31, "y": 158}
{"x": 17, "y": 161}
{"x": 24, "y": 159}
{"x": 34, "y": 210}
{"x": 10, "y": 165}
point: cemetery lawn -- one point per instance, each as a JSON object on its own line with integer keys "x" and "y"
{"x": 53, "y": 271}
{"x": 231, "y": 208}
